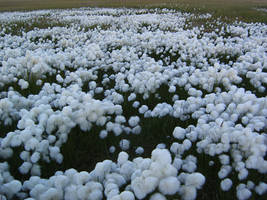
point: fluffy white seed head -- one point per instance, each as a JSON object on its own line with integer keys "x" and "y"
{"x": 124, "y": 144}
{"x": 157, "y": 196}
{"x": 162, "y": 156}
{"x": 243, "y": 194}
{"x": 195, "y": 180}
{"x": 261, "y": 188}
{"x": 133, "y": 121}
{"x": 169, "y": 186}
{"x": 139, "y": 150}
{"x": 226, "y": 184}
{"x": 112, "y": 149}
{"x": 188, "y": 192}
{"x": 179, "y": 133}
{"x": 122, "y": 158}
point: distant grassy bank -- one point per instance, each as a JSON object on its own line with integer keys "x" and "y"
{"x": 243, "y": 9}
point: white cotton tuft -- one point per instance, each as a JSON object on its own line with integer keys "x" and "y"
{"x": 25, "y": 167}
{"x": 35, "y": 157}
{"x": 226, "y": 184}
{"x": 137, "y": 130}
{"x": 51, "y": 139}
{"x": 96, "y": 194}
{"x": 30, "y": 184}
{"x": 81, "y": 178}
{"x": 243, "y": 174}
{"x": 224, "y": 171}
{"x": 161, "y": 155}
{"x": 143, "y": 186}
{"x": 127, "y": 169}
{"x": 136, "y": 104}
{"x": 161, "y": 146}
{"x": 103, "y": 134}
{"x": 39, "y": 82}
{"x": 112, "y": 149}
{"x": 59, "y": 78}
{"x": 37, "y": 190}
{"x": 147, "y": 114}
{"x": 126, "y": 195}
{"x": 195, "y": 180}
{"x": 261, "y": 188}
{"x": 250, "y": 185}
{"x": 61, "y": 181}
{"x": 133, "y": 121}
{"x": 24, "y": 155}
{"x": 98, "y": 90}
{"x": 188, "y": 193}
{"x": 174, "y": 147}
{"x": 143, "y": 109}
{"x": 177, "y": 163}
{"x": 90, "y": 191}
{"x": 31, "y": 144}
{"x": 224, "y": 159}
{"x": 92, "y": 85}
{"x": 71, "y": 193}
{"x": 122, "y": 158}
{"x": 23, "y": 84}
{"x": 51, "y": 193}
{"x": 124, "y": 144}
{"x": 172, "y": 89}
{"x": 187, "y": 144}
{"x": 12, "y": 188}
{"x": 36, "y": 170}
{"x": 139, "y": 150}
{"x": 169, "y": 185}
{"x": 211, "y": 163}
{"x": 117, "y": 130}
{"x": 243, "y": 194}
{"x": 157, "y": 196}
{"x": 189, "y": 166}
{"x": 132, "y": 97}
{"x": 120, "y": 119}
{"x": 179, "y": 133}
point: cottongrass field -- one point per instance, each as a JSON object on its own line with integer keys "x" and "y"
{"x": 125, "y": 104}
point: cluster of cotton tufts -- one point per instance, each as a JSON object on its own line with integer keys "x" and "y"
{"x": 11, "y": 188}
{"x": 68, "y": 185}
{"x": 126, "y": 195}
{"x": 81, "y": 110}
{"x": 160, "y": 168}
{"x": 162, "y": 174}
{"x": 192, "y": 182}
{"x": 11, "y": 106}
{"x": 242, "y": 192}
{"x": 143, "y": 176}
{"x": 179, "y": 149}
{"x": 162, "y": 110}
{"x": 23, "y": 84}
{"x": 127, "y": 52}
{"x": 5, "y": 175}
{"x": 261, "y": 188}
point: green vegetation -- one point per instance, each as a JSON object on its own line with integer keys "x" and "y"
{"x": 242, "y": 9}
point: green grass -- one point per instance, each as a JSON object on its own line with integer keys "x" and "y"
{"x": 242, "y": 9}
